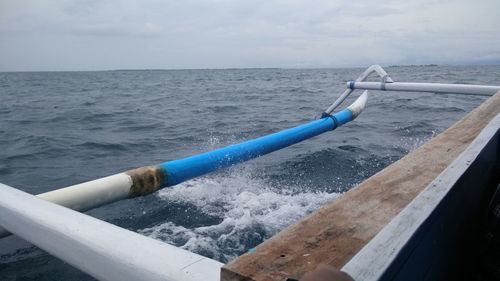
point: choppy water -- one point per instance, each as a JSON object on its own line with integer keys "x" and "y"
{"x": 62, "y": 128}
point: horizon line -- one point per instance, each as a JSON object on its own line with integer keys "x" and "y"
{"x": 256, "y": 68}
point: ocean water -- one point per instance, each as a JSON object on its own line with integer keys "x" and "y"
{"x": 63, "y": 128}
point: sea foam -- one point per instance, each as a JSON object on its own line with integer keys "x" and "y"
{"x": 249, "y": 208}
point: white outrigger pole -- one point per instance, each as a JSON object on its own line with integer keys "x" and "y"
{"x": 464, "y": 89}
{"x": 108, "y": 252}
{"x": 388, "y": 84}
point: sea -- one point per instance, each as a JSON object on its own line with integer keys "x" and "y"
{"x": 62, "y": 128}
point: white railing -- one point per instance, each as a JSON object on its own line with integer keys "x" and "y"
{"x": 103, "y": 250}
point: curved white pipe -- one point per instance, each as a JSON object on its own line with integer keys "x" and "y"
{"x": 374, "y": 68}
{"x": 359, "y": 104}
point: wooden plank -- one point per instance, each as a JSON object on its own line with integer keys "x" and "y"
{"x": 335, "y": 233}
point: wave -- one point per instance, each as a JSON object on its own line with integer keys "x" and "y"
{"x": 249, "y": 208}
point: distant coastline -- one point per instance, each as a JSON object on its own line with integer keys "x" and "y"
{"x": 415, "y": 65}
{"x": 248, "y": 68}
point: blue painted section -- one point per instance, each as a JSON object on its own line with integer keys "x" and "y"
{"x": 190, "y": 167}
{"x": 343, "y": 117}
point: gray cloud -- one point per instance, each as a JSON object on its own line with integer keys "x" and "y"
{"x": 145, "y": 29}
{"x": 92, "y": 34}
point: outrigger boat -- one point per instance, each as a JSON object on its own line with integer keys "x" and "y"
{"x": 407, "y": 223}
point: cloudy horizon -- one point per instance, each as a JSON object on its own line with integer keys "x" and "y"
{"x": 154, "y": 34}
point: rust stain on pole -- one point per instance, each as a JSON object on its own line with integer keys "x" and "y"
{"x": 335, "y": 233}
{"x": 145, "y": 180}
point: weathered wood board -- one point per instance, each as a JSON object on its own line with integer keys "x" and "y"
{"x": 335, "y": 233}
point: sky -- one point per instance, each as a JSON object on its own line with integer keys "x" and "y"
{"x": 185, "y": 34}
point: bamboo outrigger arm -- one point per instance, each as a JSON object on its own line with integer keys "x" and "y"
{"x": 146, "y": 180}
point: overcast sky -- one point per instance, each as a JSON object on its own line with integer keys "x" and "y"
{"x": 108, "y": 34}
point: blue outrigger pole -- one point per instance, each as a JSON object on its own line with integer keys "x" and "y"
{"x": 177, "y": 171}
{"x": 146, "y": 180}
